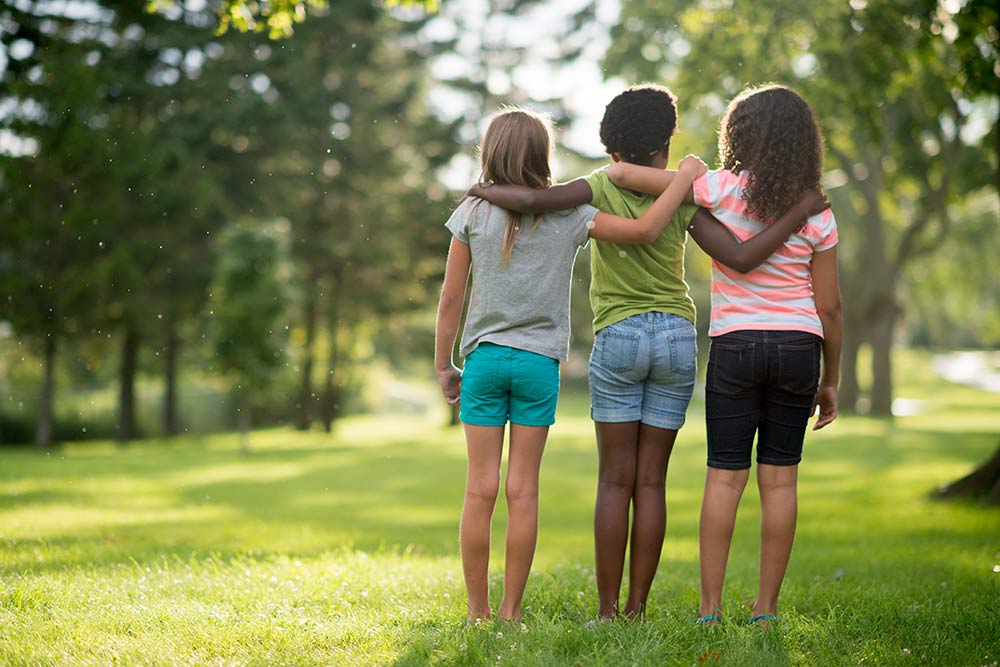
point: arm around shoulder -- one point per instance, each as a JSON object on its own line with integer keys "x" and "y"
{"x": 523, "y": 199}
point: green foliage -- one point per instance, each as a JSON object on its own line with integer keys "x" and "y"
{"x": 276, "y": 17}
{"x": 342, "y": 550}
{"x": 248, "y": 300}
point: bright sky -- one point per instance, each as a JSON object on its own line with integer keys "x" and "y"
{"x": 529, "y": 80}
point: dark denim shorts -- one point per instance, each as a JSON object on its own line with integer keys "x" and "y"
{"x": 763, "y": 383}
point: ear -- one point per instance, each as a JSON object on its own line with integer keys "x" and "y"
{"x": 665, "y": 152}
{"x": 614, "y": 157}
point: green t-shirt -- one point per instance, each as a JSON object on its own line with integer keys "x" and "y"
{"x": 627, "y": 280}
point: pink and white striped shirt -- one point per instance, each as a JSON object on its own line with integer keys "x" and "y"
{"x": 777, "y": 295}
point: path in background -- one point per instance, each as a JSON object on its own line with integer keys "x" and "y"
{"x": 977, "y": 368}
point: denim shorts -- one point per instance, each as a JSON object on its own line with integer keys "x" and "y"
{"x": 502, "y": 383}
{"x": 760, "y": 383}
{"x": 642, "y": 369}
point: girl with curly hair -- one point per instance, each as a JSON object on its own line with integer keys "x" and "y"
{"x": 770, "y": 328}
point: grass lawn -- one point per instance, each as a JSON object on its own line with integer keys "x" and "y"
{"x": 342, "y": 550}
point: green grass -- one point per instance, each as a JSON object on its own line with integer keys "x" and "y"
{"x": 342, "y": 550}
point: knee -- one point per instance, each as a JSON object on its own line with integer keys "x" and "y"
{"x": 733, "y": 481}
{"x": 617, "y": 481}
{"x": 777, "y": 484}
{"x": 649, "y": 480}
{"x": 483, "y": 491}
{"x": 520, "y": 490}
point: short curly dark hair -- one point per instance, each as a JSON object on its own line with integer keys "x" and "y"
{"x": 771, "y": 133}
{"x": 639, "y": 122}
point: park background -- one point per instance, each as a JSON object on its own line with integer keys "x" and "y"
{"x": 221, "y": 242}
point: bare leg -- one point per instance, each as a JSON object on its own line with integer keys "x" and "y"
{"x": 485, "y": 446}
{"x": 778, "y": 512}
{"x": 723, "y": 490}
{"x": 649, "y": 514}
{"x": 616, "y": 446}
{"x": 524, "y": 461}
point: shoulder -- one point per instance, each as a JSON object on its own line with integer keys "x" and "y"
{"x": 822, "y": 230}
{"x": 598, "y": 177}
{"x": 469, "y": 213}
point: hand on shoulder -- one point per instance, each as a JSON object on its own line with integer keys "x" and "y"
{"x": 692, "y": 166}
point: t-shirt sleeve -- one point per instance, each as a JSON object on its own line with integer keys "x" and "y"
{"x": 461, "y": 217}
{"x": 713, "y": 189}
{"x": 828, "y": 231}
{"x": 683, "y": 215}
{"x": 599, "y": 182}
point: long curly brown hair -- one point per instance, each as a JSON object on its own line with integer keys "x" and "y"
{"x": 771, "y": 133}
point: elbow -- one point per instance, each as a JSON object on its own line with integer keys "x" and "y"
{"x": 529, "y": 202}
{"x": 831, "y": 312}
{"x": 449, "y": 302}
{"x": 740, "y": 264}
{"x": 649, "y": 235}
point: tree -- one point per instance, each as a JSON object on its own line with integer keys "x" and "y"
{"x": 249, "y": 297}
{"x": 983, "y": 482}
{"x": 902, "y": 117}
{"x": 55, "y": 195}
{"x": 357, "y": 147}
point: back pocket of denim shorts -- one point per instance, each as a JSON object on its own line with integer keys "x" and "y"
{"x": 731, "y": 367}
{"x": 618, "y": 349}
{"x": 798, "y": 367}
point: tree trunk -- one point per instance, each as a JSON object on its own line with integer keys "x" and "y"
{"x": 170, "y": 353}
{"x": 331, "y": 394}
{"x": 330, "y": 405}
{"x": 126, "y": 401}
{"x": 43, "y": 430}
{"x": 983, "y": 482}
{"x": 883, "y": 327}
{"x": 850, "y": 391}
{"x": 244, "y": 421}
{"x": 303, "y": 419}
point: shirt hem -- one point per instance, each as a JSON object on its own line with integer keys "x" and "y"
{"x": 500, "y": 341}
{"x": 713, "y": 333}
{"x": 620, "y": 315}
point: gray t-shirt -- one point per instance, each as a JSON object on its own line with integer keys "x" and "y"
{"x": 525, "y": 304}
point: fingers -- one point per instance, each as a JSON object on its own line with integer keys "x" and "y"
{"x": 824, "y": 419}
{"x": 694, "y": 164}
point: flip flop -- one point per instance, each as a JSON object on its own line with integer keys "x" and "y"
{"x": 754, "y": 620}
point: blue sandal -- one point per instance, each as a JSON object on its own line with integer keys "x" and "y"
{"x": 762, "y": 617}
{"x": 711, "y": 618}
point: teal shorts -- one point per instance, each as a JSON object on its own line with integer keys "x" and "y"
{"x": 501, "y": 384}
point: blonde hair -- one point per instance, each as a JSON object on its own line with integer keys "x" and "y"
{"x": 515, "y": 150}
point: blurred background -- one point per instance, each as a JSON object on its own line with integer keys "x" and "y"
{"x": 221, "y": 215}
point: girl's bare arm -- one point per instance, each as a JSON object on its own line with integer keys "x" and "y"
{"x": 523, "y": 199}
{"x": 644, "y": 179}
{"x": 716, "y": 240}
{"x": 648, "y": 227}
{"x": 826, "y": 291}
{"x": 456, "y": 276}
